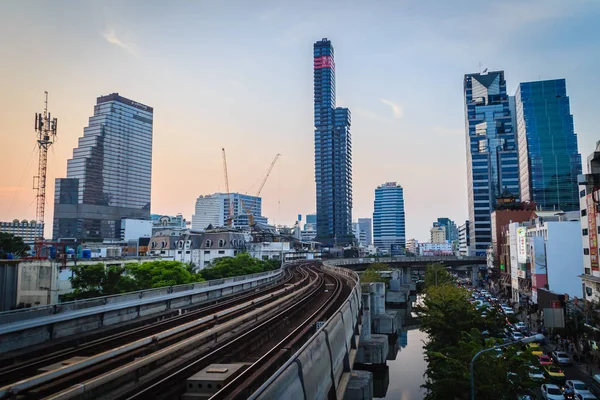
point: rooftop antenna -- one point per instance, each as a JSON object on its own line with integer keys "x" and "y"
{"x": 45, "y": 128}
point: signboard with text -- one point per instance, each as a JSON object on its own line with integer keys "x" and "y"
{"x": 522, "y": 245}
{"x": 592, "y": 233}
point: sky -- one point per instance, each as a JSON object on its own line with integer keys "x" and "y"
{"x": 238, "y": 75}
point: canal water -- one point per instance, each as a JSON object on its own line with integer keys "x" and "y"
{"x": 405, "y": 373}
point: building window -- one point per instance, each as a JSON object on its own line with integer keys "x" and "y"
{"x": 187, "y": 252}
{"x": 209, "y": 243}
{"x": 586, "y": 252}
{"x": 221, "y": 251}
{"x": 582, "y": 193}
{"x": 221, "y": 243}
{"x": 206, "y": 251}
{"x": 583, "y": 212}
{"x": 586, "y": 271}
{"x": 584, "y": 232}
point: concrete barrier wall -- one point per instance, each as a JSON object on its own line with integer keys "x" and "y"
{"x": 37, "y": 325}
{"x": 317, "y": 369}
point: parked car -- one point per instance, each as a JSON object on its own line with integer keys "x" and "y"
{"x": 536, "y": 374}
{"x": 577, "y": 386}
{"x": 545, "y": 360}
{"x": 517, "y": 336}
{"x": 520, "y": 325}
{"x": 561, "y": 358}
{"x": 535, "y": 349}
{"x": 585, "y": 396}
{"x": 551, "y": 392}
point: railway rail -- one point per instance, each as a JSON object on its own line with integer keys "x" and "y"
{"x": 14, "y": 370}
{"x": 121, "y": 369}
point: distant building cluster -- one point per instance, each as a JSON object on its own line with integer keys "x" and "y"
{"x": 27, "y": 230}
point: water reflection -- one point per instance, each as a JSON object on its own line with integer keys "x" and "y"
{"x": 404, "y": 374}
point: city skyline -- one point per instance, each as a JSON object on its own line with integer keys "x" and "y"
{"x": 106, "y": 47}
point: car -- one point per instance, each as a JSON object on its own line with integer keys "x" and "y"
{"x": 554, "y": 373}
{"x": 536, "y": 374}
{"x": 535, "y": 349}
{"x": 545, "y": 360}
{"x": 517, "y": 336}
{"x": 561, "y": 358}
{"x": 577, "y": 386}
{"x": 551, "y": 392}
{"x": 508, "y": 311}
{"x": 520, "y": 325}
{"x": 585, "y": 396}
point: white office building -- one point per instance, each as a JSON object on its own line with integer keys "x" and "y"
{"x": 27, "y": 230}
{"x": 213, "y": 210}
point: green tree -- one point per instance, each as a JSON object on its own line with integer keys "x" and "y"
{"x": 242, "y": 264}
{"x": 87, "y": 281}
{"x": 373, "y": 273}
{"x": 437, "y": 274}
{"x": 11, "y": 244}
{"x": 156, "y": 274}
{"x": 456, "y": 332}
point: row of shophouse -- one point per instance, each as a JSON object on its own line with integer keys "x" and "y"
{"x": 548, "y": 253}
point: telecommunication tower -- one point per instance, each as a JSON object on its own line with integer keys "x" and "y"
{"x": 45, "y": 128}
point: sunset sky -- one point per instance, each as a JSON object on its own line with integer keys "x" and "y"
{"x": 238, "y": 74}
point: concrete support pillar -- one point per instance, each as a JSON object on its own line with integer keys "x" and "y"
{"x": 365, "y": 333}
{"x": 360, "y": 386}
{"x": 377, "y": 290}
{"x": 396, "y": 280}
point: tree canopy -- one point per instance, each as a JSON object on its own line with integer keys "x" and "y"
{"x": 98, "y": 280}
{"x": 11, "y": 244}
{"x": 242, "y": 264}
{"x": 456, "y": 331}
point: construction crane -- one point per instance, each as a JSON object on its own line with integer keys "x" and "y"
{"x": 260, "y": 188}
{"x": 230, "y": 215}
{"x": 45, "y": 128}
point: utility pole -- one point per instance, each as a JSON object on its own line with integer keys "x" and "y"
{"x": 45, "y": 128}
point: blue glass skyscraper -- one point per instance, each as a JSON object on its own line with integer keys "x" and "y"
{"x": 548, "y": 157}
{"x": 388, "y": 217}
{"x": 333, "y": 153}
{"x": 492, "y": 156}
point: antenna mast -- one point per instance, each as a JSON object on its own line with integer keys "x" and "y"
{"x": 45, "y": 128}
{"x": 230, "y": 214}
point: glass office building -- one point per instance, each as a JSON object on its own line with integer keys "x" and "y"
{"x": 548, "y": 158}
{"x": 333, "y": 153}
{"x": 388, "y": 217}
{"x": 109, "y": 176}
{"x": 492, "y": 156}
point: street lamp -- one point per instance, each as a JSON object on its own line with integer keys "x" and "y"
{"x": 536, "y": 338}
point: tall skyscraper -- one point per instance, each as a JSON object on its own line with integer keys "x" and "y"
{"x": 492, "y": 156}
{"x": 109, "y": 177}
{"x": 366, "y": 225}
{"x": 388, "y": 217}
{"x": 333, "y": 153}
{"x": 548, "y": 158}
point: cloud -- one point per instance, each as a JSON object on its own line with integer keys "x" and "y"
{"x": 111, "y": 37}
{"x": 396, "y": 108}
{"x": 368, "y": 114}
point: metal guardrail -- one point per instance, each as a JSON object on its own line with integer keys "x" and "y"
{"x": 331, "y": 369}
{"x": 51, "y": 309}
{"x": 416, "y": 260}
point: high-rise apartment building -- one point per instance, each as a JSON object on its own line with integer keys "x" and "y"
{"x": 548, "y": 158}
{"x": 27, "y": 230}
{"x": 388, "y": 217}
{"x": 492, "y": 156}
{"x": 438, "y": 234}
{"x": 464, "y": 240}
{"x": 366, "y": 225}
{"x": 333, "y": 153}
{"x": 450, "y": 228}
{"x": 109, "y": 177}
{"x": 213, "y": 210}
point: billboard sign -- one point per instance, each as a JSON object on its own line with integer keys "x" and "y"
{"x": 522, "y": 245}
{"x": 592, "y": 232}
{"x": 514, "y": 265}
